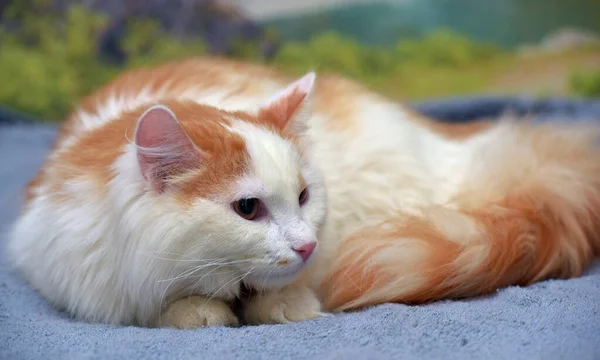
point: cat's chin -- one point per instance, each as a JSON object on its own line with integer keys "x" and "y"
{"x": 273, "y": 278}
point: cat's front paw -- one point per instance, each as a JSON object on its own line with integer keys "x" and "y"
{"x": 197, "y": 311}
{"x": 287, "y": 305}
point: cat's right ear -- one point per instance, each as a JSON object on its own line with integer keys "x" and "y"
{"x": 164, "y": 150}
{"x": 291, "y": 107}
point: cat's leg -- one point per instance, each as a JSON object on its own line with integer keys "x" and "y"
{"x": 197, "y": 311}
{"x": 289, "y": 304}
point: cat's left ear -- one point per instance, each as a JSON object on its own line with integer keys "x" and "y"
{"x": 291, "y": 107}
{"x": 164, "y": 150}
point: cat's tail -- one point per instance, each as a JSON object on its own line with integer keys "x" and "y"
{"x": 530, "y": 217}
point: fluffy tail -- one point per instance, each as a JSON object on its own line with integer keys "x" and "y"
{"x": 532, "y": 213}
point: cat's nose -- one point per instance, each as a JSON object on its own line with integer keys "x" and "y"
{"x": 305, "y": 250}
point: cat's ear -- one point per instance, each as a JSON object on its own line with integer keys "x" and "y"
{"x": 291, "y": 107}
{"x": 164, "y": 150}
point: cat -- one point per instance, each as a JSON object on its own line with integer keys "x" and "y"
{"x": 171, "y": 189}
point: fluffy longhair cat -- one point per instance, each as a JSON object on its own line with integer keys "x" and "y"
{"x": 172, "y": 188}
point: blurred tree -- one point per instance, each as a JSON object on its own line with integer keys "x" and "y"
{"x": 50, "y": 60}
{"x": 326, "y": 52}
{"x": 444, "y": 48}
{"x": 145, "y": 44}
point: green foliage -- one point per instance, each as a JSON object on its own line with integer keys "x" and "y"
{"x": 586, "y": 83}
{"x": 50, "y": 62}
{"x": 327, "y": 52}
{"x": 444, "y": 48}
{"x": 35, "y": 85}
{"x": 146, "y": 44}
{"x": 414, "y": 67}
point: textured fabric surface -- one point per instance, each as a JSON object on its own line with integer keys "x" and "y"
{"x": 549, "y": 320}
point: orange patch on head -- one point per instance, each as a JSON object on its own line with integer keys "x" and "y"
{"x": 227, "y": 158}
{"x": 225, "y": 155}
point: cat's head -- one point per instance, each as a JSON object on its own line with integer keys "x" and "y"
{"x": 245, "y": 181}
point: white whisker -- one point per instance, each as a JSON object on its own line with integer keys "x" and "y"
{"x": 262, "y": 287}
{"x": 237, "y": 279}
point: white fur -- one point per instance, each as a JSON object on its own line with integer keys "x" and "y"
{"x": 274, "y": 179}
{"x": 118, "y": 258}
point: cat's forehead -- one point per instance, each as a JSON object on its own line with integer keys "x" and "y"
{"x": 274, "y": 162}
{"x": 224, "y": 155}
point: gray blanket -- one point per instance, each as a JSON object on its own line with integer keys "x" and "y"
{"x": 549, "y": 320}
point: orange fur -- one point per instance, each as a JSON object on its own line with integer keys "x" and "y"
{"x": 179, "y": 76}
{"x": 337, "y": 98}
{"x": 515, "y": 229}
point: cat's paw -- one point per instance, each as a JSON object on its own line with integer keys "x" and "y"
{"x": 284, "y": 306}
{"x": 196, "y": 312}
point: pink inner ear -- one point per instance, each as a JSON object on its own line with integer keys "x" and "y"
{"x": 163, "y": 148}
{"x": 285, "y": 103}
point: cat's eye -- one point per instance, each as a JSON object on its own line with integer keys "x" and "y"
{"x": 303, "y": 196}
{"x": 247, "y": 208}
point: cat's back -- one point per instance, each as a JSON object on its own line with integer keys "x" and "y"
{"x": 208, "y": 80}
{"x": 223, "y": 83}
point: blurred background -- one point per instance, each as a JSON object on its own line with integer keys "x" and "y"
{"x": 53, "y": 52}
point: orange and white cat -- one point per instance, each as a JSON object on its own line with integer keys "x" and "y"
{"x": 171, "y": 188}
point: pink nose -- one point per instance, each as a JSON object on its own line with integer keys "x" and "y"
{"x": 306, "y": 250}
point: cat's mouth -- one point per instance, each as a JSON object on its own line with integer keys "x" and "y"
{"x": 274, "y": 277}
